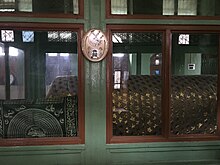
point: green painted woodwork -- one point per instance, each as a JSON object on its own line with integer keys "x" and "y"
{"x": 39, "y": 155}
{"x": 95, "y": 151}
{"x": 95, "y": 106}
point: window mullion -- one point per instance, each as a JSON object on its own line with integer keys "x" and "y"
{"x": 166, "y": 64}
{"x": 218, "y": 90}
{"x": 175, "y": 7}
{"x": 7, "y": 73}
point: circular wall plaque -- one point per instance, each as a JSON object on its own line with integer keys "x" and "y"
{"x": 95, "y": 45}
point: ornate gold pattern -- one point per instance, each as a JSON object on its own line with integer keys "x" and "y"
{"x": 137, "y": 108}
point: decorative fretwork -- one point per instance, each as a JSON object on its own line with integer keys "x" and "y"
{"x": 7, "y": 35}
{"x": 27, "y": 36}
{"x": 135, "y": 38}
{"x": 62, "y": 36}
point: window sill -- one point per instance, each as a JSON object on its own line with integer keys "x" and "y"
{"x": 41, "y": 141}
{"x": 140, "y": 139}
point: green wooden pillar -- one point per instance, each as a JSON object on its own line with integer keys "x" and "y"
{"x": 95, "y": 93}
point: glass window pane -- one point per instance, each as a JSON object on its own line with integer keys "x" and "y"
{"x": 36, "y": 6}
{"x": 25, "y": 5}
{"x": 209, "y": 8}
{"x": 187, "y": 7}
{"x": 166, "y": 7}
{"x": 136, "y": 95}
{"x": 148, "y": 7}
{"x": 7, "y": 6}
{"x": 61, "y": 68}
{"x": 194, "y": 84}
{"x": 2, "y": 73}
{"x": 119, "y": 6}
{"x": 56, "y": 6}
{"x": 16, "y": 67}
{"x": 39, "y": 85}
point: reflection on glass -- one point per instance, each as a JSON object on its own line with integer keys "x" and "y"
{"x": 7, "y": 5}
{"x": 15, "y": 72}
{"x": 61, "y": 36}
{"x": 117, "y": 79}
{"x": 36, "y": 6}
{"x": 2, "y": 73}
{"x": 166, "y": 7}
{"x": 187, "y": 7}
{"x": 119, "y": 6}
{"x": 136, "y": 95}
{"x": 61, "y": 69}
{"x": 194, "y": 84}
{"x": 39, "y": 82}
{"x": 16, "y": 77}
{"x": 25, "y": 5}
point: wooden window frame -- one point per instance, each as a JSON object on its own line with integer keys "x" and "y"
{"x": 144, "y": 16}
{"x": 167, "y": 31}
{"x": 80, "y": 139}
{"x": 46, "y": 15}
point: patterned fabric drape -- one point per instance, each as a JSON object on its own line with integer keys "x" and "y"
{"x": 39, "y": 118}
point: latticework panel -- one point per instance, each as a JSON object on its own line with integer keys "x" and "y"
{"x": 62, "y": 36}
{"x": 150, "y": 38}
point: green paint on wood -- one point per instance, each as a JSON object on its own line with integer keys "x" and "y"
{"x": 96, "y": 151}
